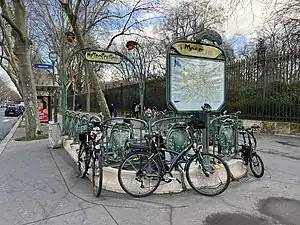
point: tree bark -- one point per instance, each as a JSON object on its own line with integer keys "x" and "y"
{"x": 26, "y": 79}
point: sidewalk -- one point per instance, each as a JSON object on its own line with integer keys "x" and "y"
{"x": 285, "y": 146}
{"x": 40, "y": 186}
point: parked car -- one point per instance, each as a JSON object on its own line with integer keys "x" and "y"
{"x": 21, "y": 108}
{"x": 12, "y": 111}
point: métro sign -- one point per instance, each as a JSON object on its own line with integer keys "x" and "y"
{"x": 195, "y": 76}
{"x": 103, "y": 57}
{"x": 42, "y": 66}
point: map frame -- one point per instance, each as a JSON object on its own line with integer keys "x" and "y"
{"x": 194, "y": 51}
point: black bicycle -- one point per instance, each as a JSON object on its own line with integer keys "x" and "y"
{"x": 248, "y": 151}
{"x": 91, "y": 155}
{"x": 148, "y": 166}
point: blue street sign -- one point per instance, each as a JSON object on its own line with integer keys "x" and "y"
{"x": 42, "y": 66}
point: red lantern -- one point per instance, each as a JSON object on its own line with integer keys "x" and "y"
{"x": 70, "y": 36}
{"x": 131, "y": 45}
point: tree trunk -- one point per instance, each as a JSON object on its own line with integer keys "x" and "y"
{"x": 142, "y": 97}
{"x": 27, "y": 80}
{"x": 96, "y": 84}
{"x": 29, "y": 93}
{"x": 99, "y": 93}
{"x": 88, "y": 89}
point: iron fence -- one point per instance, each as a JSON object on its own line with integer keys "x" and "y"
{"x": 263, "y": 88}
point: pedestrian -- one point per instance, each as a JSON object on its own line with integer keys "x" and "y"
{"x": 133, "y": 109}
{"x": 80, "y": 107}
{"x": 115, "y": 113}
{"x": 137, "y": 110}
{"x": 147, "y": 111}
{"x": 111, "y": 109}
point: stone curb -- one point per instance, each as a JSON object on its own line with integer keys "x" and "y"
{"x": 111, "y": 183}
{"x": 11, "y": 133}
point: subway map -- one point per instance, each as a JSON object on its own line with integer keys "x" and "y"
{"x": 195, "y": 81}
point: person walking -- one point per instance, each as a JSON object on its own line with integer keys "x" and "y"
{"x": 111, "y": 109}
{"x": 133, "y": 109}
{"x": 137, "y": 110}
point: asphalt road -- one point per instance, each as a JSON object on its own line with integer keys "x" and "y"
{"x": 40, "y": 187}
{"x": 6, "y": 123}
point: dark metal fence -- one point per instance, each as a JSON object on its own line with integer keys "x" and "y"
{"x": 264, "y": 88}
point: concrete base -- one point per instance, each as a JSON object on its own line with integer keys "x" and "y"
{"x": 110, "y": 178}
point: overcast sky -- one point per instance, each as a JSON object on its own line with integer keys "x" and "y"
{"x": 247, "y": 16}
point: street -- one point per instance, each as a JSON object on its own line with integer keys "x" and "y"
{"x": 6, "y": 123}
{"x": 40, "y": 186}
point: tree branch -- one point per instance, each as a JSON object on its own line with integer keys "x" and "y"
{"x": 10, "y": 21}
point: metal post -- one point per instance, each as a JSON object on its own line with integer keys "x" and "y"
{"x": 121, "y": 96}
{"x": 54, "y": 94}
{"x": 88, "y": 89}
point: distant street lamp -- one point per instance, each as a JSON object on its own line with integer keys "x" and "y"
{"x": 130, "y": 45}
{"x": 53, "y": 58}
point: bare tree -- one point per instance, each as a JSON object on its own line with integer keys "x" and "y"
{"x": 153, "y": 61}
{"x": 15, "y": 16}
{"x": 98, "y": 15}
{"x": 189, "y": 18}
{"x": 4, "y": 90}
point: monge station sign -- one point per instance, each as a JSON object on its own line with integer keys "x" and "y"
{"x": 103, "y": 57}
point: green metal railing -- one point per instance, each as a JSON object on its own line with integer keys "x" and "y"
{"x": 121, "y": 130}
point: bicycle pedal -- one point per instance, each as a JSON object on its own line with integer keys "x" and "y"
{"x": 172, "y": 178}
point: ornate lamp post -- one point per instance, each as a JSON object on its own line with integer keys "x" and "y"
{"x": 130, "y": 45}
{"x": 53, "y": 59}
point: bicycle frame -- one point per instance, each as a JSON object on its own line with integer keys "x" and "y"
{"x": 174, "y": 162}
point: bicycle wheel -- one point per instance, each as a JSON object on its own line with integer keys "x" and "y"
{"x": 256, "y": 162}
{"x": 97, "y": 173}
{"x": 136, "y": 171}
{"x": 83, "y": 159}
{"x": 211, "y": 167}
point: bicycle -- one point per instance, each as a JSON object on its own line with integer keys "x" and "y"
{"x": 90, "y": 154}
{"x": 248, "y": 153}
{"x": 154, "y": 156}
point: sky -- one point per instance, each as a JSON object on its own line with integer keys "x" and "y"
{"x": 249, "y": 15}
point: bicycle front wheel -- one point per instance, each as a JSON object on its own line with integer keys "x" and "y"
{"x": 213, "y": 174}
{"x": 139, "y": 175}
{"x": 97, "y": 173}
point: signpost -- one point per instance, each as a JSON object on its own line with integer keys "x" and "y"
{"x": 53, "y": 58}
{"x": 195, "y": 76}
{"x": 43, "y": 66}
{"x": 103, "y": 57}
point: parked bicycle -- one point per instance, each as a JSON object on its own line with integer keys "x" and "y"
{"x": 248, "y": 151}
{"x": 90, "y": 154}
{"x": 148, "y": 166}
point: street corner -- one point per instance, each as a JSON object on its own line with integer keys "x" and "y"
{"x": 284, "y": 210}
{"x": 237, "y": 218}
